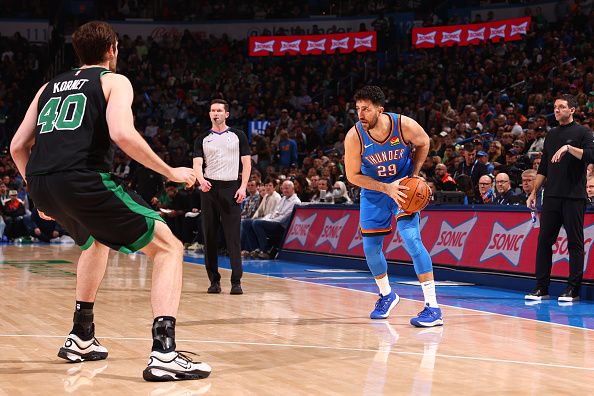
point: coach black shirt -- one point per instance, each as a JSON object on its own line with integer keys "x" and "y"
{"x": 567, "y": 178}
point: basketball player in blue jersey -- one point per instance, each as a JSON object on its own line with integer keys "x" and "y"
{"x": 380, "y": 150}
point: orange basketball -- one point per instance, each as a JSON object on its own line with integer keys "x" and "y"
{"x": 418, "y": 195}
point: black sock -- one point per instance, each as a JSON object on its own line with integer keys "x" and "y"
{"x": 164, "y": 334}
{"x": 83, "y": 321}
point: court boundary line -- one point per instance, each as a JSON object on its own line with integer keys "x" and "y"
{"x": 403, "y": 298}
{"x": 351, "y": 349}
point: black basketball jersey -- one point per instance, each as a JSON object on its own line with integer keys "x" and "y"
{"x": 71, "y": 130}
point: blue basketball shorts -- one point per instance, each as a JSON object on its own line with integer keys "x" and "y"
{"x": 376, "y": 211}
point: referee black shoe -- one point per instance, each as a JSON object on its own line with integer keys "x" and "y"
{"x": 570, "y": 294}
{"x": 236, "y": 288}
{"x": 215, "y": 288}
{"x": 537, "y": 294}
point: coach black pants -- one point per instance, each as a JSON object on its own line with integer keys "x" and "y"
{"x": 220, "y": 208}
{"x": 555, "y": 213}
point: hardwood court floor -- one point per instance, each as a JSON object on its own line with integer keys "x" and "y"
{"x": 282, "y": 337}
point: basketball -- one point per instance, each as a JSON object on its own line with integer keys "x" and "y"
{"x": 418, "y": 195}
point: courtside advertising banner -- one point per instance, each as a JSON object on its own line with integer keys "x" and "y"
{"x": 492, "y": 241}
{"x": 343, "y": 43}
{"x": 471, "y": 34}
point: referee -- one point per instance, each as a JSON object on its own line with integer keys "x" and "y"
{"x": 219, "y": 156}
{"x": 567, "y": 150}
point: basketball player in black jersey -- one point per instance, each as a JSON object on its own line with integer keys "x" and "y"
{"x": 64, "y": 147}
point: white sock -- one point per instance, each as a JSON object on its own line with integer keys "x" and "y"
{"x": 384, "y": 285}
{"x": 429, "y": 293}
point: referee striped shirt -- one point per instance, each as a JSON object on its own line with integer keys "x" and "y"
{"x": 222, "y": 152}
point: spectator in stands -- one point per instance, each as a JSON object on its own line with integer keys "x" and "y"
{"x": 542, "y": 122}
{"x": 270, "y": 229}
{"x": 285, "y": 122}
{"x": 536, "y": 162}
{"x": 448, "y": 114}
{"x": 590, "y": 190}
{"x": 471, "y": 166}
{"x": 268, "y": 204}
{"x": 519, "y": 145}
{"x": 427, "y": 116}
{"x": 148, "y": 184}
{"x": 443, "y": 180}
{"x": 121, "y": 166}
{"x": 507, "y": 141}
{"x": 150, "y": 131}
{"x": 428, "y": 168}
{"x": 483, "y": 158}
{"x": 464, "y": 184}
{"x": 174, "y": 210}
{"x": 351, "y": 120}
{"x": 3, "y": 238}
{"x": 486, "y": 193}
{"x": 192, "y": 222}
{"x": 431, "y": 185}
{"x": 302, "y": 188}
{"x": 512, "y": 167}
{"x": 341, "y": 195}
{"x": 528, "y": 177}
{"x": 324, "y": 193}
{"x": 4, "y": 195}
{"x": 44, "y": 230}
{"x": 496, "y": 153}
{"x": 538, "y": 144}
{"x": 449, "y": 155}
{"x": 252, "y": 200}
{"x": 287, "y": 150}
{"x": 14, "y": 213}
{"x": 513, "y": 126}
{"x": 505, "y": 194}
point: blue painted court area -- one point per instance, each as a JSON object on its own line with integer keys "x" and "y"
{"x": 455, "y": 294}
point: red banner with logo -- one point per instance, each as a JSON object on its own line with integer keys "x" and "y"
{"x": 343, "y": 43}
{"x": 471, "y": 34}
{"x": 495, "y": 241}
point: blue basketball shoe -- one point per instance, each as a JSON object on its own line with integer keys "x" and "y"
{"x": 384, "y": 305}
{"x": 428, "y": 317}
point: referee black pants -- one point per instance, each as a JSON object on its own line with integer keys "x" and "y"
{"x": 220, "y": 208}
{"x": 555, "y": 213}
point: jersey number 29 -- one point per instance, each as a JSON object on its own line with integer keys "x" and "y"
{"x": 383, "y": 171}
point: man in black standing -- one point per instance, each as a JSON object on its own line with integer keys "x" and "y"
{"x": 223, "y": 152}
{"x": 568, "y": 149}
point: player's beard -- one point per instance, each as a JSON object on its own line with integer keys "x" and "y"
{"x": 371, "y": 123}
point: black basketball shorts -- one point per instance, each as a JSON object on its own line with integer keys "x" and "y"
{"x": 90, "y": 205}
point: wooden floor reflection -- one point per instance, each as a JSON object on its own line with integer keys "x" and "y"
{"x": 282, "y": 337}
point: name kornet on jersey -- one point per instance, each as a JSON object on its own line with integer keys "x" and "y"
{"x": 69, "y": 85}
{"x": 385, "y": 156}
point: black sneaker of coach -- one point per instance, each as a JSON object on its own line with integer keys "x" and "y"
{"x": 537, "y": 294}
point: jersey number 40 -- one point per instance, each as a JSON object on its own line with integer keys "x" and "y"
{"x": 67, "y": 115}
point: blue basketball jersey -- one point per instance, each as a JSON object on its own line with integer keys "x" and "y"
{"x": 388, "y": 160}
